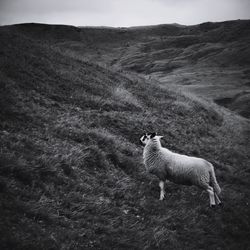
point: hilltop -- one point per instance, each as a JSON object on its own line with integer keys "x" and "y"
{"x": 74, "y": 103}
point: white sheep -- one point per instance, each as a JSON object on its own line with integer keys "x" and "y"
{"x": 180, "y": 169}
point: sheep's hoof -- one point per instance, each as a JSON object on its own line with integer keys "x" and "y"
{"x": 162, "y": 198}
{"x": 212, "y": 206}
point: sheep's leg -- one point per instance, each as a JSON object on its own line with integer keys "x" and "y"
{"x": 162, "y": 194}
{"x": 210, "y": 191}
{"x": 217, "y": 199}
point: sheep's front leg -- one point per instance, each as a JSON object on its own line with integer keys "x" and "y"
{"x": 162, "y": 194}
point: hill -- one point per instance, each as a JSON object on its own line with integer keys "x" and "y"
{"x": 204, "y": 59}
{"x": 74, "y": 103}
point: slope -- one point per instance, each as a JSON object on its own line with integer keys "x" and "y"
{"x": 210, "y": 60}
{"x": 71, "y": 173}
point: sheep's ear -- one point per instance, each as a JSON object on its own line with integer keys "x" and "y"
{"x": 152, "y": 135}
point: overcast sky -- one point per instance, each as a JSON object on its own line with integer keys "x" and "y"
{"x": 120, "y": 13}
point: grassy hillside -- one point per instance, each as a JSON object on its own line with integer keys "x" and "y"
{"x": 204, "y": 59}
{"x": 71, "y": 172}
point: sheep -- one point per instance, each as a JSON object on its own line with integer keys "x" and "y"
{"x": 180, "y": 169}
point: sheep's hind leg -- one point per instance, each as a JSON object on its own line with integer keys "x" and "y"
{"x": 162, "y": 194}
{"x": 211, "y": 193}
{"x": 217, "y": 199}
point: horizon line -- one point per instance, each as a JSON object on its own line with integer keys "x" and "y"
{"x": 125, "y": 27}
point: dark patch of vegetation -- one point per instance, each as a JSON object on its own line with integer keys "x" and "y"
{"x": 239, "y": 103}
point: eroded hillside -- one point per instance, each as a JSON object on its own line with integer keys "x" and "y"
{"x": 71, "y": 173}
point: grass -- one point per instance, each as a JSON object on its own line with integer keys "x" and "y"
{"x": 71, "y": 171}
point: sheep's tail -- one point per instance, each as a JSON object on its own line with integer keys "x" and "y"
{"x": 213, "y": 180}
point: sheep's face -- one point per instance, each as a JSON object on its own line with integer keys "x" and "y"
{"x": 147, "y": 137}
{"x": 144, "y": 139}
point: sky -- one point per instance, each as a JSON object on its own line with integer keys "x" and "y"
{"x": 121, "y": 13}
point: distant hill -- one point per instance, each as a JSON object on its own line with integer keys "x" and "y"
{"x": 73, "y": 105}
{"x": 166, "y": 52}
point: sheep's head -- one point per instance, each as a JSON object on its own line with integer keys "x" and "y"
{"x": 147, "y": 137}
